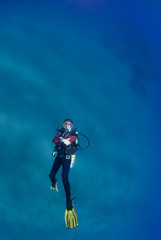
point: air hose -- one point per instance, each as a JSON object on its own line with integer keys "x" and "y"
{"x": 78, "y": 145}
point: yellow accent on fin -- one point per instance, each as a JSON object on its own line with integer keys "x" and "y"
{"x": 71, "y": 219}
{"x": 54, "y": 188}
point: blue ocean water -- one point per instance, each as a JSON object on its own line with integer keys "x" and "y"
{"x": 99, "y": 63}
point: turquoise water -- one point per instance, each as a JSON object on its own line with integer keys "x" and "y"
{"x": 98, "y": 63}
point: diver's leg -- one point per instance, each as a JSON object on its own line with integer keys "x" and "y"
{"x": 56, "y": 165}
{"x": 65, "y": 173}
{"x": 71, "y": 219}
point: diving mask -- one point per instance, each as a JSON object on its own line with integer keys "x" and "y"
{"x": 67, "y": 125}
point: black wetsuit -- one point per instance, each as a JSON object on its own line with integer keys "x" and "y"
{"x": 63, "y": 158}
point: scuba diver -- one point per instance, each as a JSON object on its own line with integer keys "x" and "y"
{"x": 65, "y": 149}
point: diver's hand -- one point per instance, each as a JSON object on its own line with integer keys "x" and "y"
{"x": 66, "y": 141}
{"x": 60, "y": 139}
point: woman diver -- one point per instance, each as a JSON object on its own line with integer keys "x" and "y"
{"x": 65, "y": 149}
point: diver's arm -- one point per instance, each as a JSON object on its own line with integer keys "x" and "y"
{"x": 66, "y": 141}
{"x": 72, "y": 138}
{"x": 69, "y": 140}
{"x": 58, "y": 139}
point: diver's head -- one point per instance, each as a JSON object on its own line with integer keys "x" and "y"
{"x": 68, "y": 124}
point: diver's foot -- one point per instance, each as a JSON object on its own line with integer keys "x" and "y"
{"x": 71, "y": 219}
{"x": 54, "y": 186}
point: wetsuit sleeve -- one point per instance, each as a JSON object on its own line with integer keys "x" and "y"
{"x": 56, "y": 139}
{"x": 72, "y": 138}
